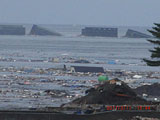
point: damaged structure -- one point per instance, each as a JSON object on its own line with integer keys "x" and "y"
{"x": 135, "y": 34}
{"x": 12, "y": 30}
{"x": 36, "y": 30}
{"x": 100, "y": 32}
{"x": 86, "y": 69}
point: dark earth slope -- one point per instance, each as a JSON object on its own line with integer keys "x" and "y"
{"x": 152, "y": 90}
{"x": 113, "y": 92}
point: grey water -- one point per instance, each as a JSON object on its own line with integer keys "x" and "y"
{"x": 127, "y": 52}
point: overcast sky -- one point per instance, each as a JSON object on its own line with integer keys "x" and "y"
{"x": 88, "y": 12}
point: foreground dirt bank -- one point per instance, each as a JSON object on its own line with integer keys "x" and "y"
{"x": 15, "y": 115}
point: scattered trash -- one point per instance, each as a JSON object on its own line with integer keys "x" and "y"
{"x": 29, "y": 83}
{"x": 112, "y": 62}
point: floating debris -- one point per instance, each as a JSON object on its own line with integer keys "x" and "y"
{"x": 57, "y": 93}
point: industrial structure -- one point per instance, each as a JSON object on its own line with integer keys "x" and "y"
{"x": 12, "y": 30}
{"x": 100, "y": 32}
{"x": 135, "y": 34}
{"x": 37, "y": 30}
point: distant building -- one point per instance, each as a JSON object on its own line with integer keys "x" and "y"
{"x": 135, "y": 34}
{"x": 36, "y": 30}
{"x": 86, "y": 69}
{"x": 12, "y": 30}
{"x": 100, "y": 31}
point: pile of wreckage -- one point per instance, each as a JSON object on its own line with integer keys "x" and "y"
{"x": 111, "y": 92}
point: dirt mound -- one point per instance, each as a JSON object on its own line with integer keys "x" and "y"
{"x": 111, "y": 92}
{"x": 152, "y": 90}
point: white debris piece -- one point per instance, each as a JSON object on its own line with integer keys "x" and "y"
{"x": 129, "y": 80}
{"x": 155, "y": 99}
{"x": 118, "y": 83}
{"x": 144, "y": 95}
{"x": 137, "y": 76}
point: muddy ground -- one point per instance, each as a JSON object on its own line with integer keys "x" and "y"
{"x": 53, "y": 116}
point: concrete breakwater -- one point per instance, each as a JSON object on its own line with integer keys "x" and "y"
{"x": 29, "y": 115}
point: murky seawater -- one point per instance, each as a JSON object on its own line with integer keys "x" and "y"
{"x": 17, "y": 54}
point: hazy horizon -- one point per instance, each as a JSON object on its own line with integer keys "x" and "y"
{"x": 79, "y": 12}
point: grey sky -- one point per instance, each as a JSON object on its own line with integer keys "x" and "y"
{"x": 89, "y": 12}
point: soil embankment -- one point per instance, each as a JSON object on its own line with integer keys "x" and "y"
{"x": 53, "y": 116}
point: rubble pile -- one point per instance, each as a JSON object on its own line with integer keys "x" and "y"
{"x": 151, "y": 90}
{"x": 111, "y": 92}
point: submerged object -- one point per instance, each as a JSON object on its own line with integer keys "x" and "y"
{"x": 81, "y": 61}
{"x": 86, "y": 69}
{"x": 100, "y": 31}
{"x": 135, "y": 34}
{"x": 57, "y": 93}
{"x": 36, "y": 30}
{"x": 12, "y": 30}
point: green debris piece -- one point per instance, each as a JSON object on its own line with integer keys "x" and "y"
{"x": 103, "y": 78}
